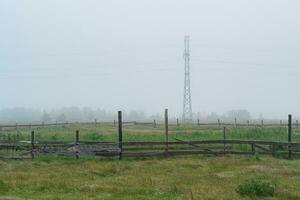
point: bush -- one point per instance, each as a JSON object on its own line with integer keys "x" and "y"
{"x": 255, "y": 187}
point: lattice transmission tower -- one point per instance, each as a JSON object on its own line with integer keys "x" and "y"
{"x": 187, "y": 115}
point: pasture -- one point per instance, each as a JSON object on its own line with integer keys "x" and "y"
{"x": 179, "y": 177}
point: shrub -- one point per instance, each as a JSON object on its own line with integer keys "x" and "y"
{"x": 255, "y": 187}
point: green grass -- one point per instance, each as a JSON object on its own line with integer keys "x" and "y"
{"x": 107, "y": 132}
{"x": 189, "y": 177}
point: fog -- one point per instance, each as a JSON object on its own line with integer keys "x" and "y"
{"x": 128, "y": 55}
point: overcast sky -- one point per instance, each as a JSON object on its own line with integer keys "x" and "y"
{"x": 128, "y": 54}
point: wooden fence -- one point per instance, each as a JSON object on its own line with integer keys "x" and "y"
{"x": 120, "y": 148}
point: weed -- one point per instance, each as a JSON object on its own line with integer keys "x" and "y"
{"x": 255, "y": 187}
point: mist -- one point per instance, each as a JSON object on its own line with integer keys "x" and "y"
{"x": 128, "y": 55}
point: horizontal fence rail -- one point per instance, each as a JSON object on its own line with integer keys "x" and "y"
{"x": 143, "y": 148}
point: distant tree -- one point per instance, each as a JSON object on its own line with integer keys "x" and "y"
{"x": 213, "y": 117}
{"x": 46, "y": 117}
{"x": 61, "y": 118}
{"x": 240, "y": 115}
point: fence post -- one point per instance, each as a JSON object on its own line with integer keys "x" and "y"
{"x": 297, "y": 123}
{"x": 280, "y": 122}
{"x": 95, "y": 122}
{"x": 77, "y": 144}
{"x": 290, "y": 134}
{"x": 253, "y": 148}
{"x": 262, "y": 123}
{"x": 29, "y": 125}
{"x": 248, "y": 123}
{"x": 154, "y": 124}
{"x": 32, "y": 144}
{"x": 177, "y": 121}
{"x": 219, "y": 123}
{"x": 235, "y": 122}
{"x": 16, "y": 126}
{"x": 120, "y": 134}
{"x": 166, "y": 130}
{"x": 224, "y": 135}
{"x": 43, "y": 124}
{"x": 198, "y": 122}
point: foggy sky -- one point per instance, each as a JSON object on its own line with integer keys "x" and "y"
{"x": 126, "y": 55}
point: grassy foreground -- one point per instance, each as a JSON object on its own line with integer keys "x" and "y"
{"x": 192, "y": 177}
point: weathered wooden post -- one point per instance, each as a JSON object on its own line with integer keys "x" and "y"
{"x": 154, "y": 124}
{"x": 290, "y": 134}
{"x": 77, "y": 144}
{"x": 219, "y": 123}
{"x": 262, "y": 123}
{"x": 235, "y": 122}
{"x": 29, "y": 125}
{"x": 166, "y": 130}
{"x": 198, "y": 122}
{"x": 280, "y": 122}
{"x": 248, "y": 123}
{"x": 120, "y": 134}
{"x": 224, "y": 136}
{"x": 32, "y": 144}
{"x": 177, "y": 122}
{"x": 253, "y": 148}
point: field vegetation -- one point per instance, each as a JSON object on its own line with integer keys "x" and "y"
{"x": 181, "y": 177}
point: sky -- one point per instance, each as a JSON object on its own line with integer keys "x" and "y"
{"x": 128, "y": 55}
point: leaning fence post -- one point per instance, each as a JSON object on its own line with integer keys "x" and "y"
{"x": 32, "y": 144}
{"x": 290, "y": 134}
{"x": 77, "y": 144}
{"x": 253, "y": 148}
{"x": 166, "y": 130}
{"x": 224, "y": 135}
{"x": 120, "y": 134}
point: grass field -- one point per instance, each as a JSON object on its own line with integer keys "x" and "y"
{"x": 180, "y": 177}
{"x": 189, "y": 177}
{"x": 107, "y": 132}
